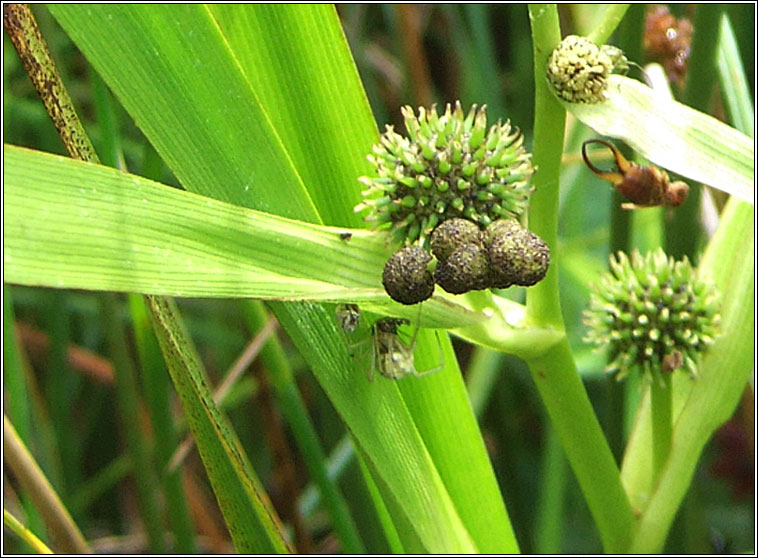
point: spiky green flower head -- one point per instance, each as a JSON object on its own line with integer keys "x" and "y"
{"x": 450, "y": 165}
{"x": 578, "y": 69}
{"x": 654, "y": 315}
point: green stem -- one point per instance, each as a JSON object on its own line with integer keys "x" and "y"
{"x": 33, "y": 52}
{"x": 554, "y": 372}
{"x": 571, "y": 414}
{"x": 543, "y": 304}
{"x": 128, "y": 401}
{"x": 661, "y": 394}
{"x": 552, "y": 497}
{"x": 157, "y": 387}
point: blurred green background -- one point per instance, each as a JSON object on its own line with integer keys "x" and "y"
{"x": 406, "y": 54}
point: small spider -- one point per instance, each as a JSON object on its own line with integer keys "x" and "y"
{"x": 391, "y": 354}
{"x": 349, "y": 317}
{"x": 643, "y": 186}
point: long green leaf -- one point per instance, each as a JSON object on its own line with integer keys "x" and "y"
{"x": 76, "y": 225}
{"x": 297, "y": 60}
{"x": 249, "y": 147}
{"x": 673, "y": 136}
{"x": 182, "y": 77}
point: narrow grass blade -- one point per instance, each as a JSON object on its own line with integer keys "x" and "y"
{"x": 733, "y": 81}
{"x": 64, "y": 532}
{"x": 24, "y": 533}
{"x": 249, "y": 515}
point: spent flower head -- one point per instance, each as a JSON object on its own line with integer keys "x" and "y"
{"x": 406, "y": 276}
{"x": 501, "y": 255}
{"x": 517, "y": 256}
{"x": 653, "y": 314}
{"x": 449, "y": 165}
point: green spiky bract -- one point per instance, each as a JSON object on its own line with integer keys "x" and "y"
{"x": 450, "y": 165}
{"x": 652, "y": 313}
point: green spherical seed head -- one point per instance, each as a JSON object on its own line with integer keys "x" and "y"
{"x": 652, "y": 314}
{"x": 406, "y": 277}
{"x": 467, "y": 269}
{"x": 452, "y": 234}
{"x": 447, "y": 167}
{"x": 518, "y": 257}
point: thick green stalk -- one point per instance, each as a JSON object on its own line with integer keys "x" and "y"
{"x": 661, "y": 403}
{"x": 543, "y": 304}
{"x": 554, "y": 372}
{"x": 551, "y": 505}
{"x": 571, "y": 414}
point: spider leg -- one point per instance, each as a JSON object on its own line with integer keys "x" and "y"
{"x": 439, "y": 366}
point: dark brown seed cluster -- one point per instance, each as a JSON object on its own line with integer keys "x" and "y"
{"x": 468, "y": 259}
{"x": 467, "y": 269}
{"x": 406, "y": 276}
{"x": 502, "y": 255}
{"x": 517, "y": 256}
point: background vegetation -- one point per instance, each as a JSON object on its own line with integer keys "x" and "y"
{"x": 105, "y": 440}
